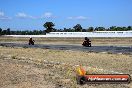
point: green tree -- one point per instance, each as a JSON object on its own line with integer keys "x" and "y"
{"x": 101, "y": 29}
{"x": 121, "y": 29}
{"x": 49, "y": 27}
{"x": 0, "y": 31}
{"x": 35, "y": 32}
{"x": 112, "y": 28}
{"x": 4, "y": 32}
{"x": 90, "y": 29}
{"x": 70, "y": 30}
{"x": 65, "y": 30}
{"x": 78, "y": 28}
{"x": 129, "y": 28}
{"x": 96, "y": 29}
{"x": 84, "y": 30}
{"x": 8, "y": 32}
{"x": 40, "y": 32}
{"x": 124, "y": 29}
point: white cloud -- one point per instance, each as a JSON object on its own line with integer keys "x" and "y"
{"x": 48, "y": 15}
{"x": 81, "y": 18}
{"x": 4, "y": 17}
{"x": 2, "y": 14}
{"x": 24, "y": 15}
{"x": 70, "y": 18}
{"x": 78, "y": 18}
{"x": 21, "y": 15}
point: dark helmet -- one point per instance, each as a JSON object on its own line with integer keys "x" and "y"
{"x": 30, "y": 38}
{"x": 86, "y": 38}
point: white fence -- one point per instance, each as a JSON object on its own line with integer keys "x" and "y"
{"x": 82, "y": 34}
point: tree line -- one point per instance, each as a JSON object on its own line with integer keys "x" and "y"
{"x": 18, "y": 32}
{"x": 50, "y": 28}
{"x": 78, "y": 28}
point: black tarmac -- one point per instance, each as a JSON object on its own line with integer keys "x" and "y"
{"x": 102, "y": 49}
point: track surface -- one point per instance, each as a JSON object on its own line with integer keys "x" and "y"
{"x": 109, "y": 49}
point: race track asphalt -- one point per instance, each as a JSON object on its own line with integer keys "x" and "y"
{"x": 103, "y": 49}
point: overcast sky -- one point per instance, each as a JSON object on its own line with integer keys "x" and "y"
{"x": 32, "y": 14}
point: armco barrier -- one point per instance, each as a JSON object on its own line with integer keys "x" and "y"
{"x": 82, "y": 34}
